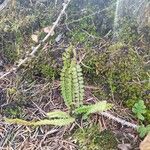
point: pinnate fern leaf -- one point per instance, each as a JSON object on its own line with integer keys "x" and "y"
{"x": 57, "y": 114}
{"x": 78, "y": 84}
{"x": 66, "y": 78}
{"x": 57, "y": 118}
{"x": 99, "y": 107}
{"x": 72, "y": 85}
{"x": 89, "y": 109}
{"x": 57, "y": 122}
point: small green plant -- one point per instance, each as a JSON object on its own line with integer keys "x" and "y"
{"x": 72, "y": 88}
{"x": 86, "y": 110}
{"x": 72, "y": 85}
{"x": 54, "y": 118}
{"x": 47, "y": 71}
{"x": 139, "y": 109}
{"x": 143, "y": 130}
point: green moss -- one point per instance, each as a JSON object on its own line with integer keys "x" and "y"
{"x": 127, "y": 30}
{"x": 83, "y": 33}
{"x": 121, "y": 73}
{"x": 18, "y": 23}
{"x": 91, "y": 138}
{"x": 147, "y": 115}
{"x": 13, "y": 111}
{"x": 48, "y": 71}
{"x": 11, "y": 54}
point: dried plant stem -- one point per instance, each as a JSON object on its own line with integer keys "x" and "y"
{"x": 119, "y": 120}
{"x": 35, "y": 49}
{"x": 4, "y": 4}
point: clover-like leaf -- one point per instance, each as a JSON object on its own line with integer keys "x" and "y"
{"x": 139, "y": 109}
{"x": 143, "y": 130}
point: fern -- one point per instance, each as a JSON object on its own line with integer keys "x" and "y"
{"x": 89, "y": 109}
{"x": 72, "y": 89}
{"x": 57, "y": 114}
{"x": 57, "y": 118}
{"x": 57, "y": 122}
{"x": 66, "y": 78}
{"x": 72, "y": 85}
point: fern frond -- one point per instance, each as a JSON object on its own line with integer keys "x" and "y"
{"x": 66, "y": 78}
{"x": 67, "y": 57}
{"x": 18, "y": 121}
{"x": 56, "y": 117}
{"x": 83, "y": 109}
{"x": 57, "y": 122}
{"x": 57, "y": 114}
{"x": 99, "y": 107}
{"x": 72, "y": 85}
{"x": 89, "y": 109}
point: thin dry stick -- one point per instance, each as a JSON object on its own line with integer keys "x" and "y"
{"x": 119, "y": 120}
{"x": 4, "y": 4}
{"x": 35, "y": 49}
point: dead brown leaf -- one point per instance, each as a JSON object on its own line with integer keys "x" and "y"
{"x": 47, "y": 30}
{"x": 34, "y": 37}
{"x": 145, "y": 144}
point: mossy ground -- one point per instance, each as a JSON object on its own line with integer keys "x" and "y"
{"x": 92, "y": 138}
{"x": 118, "y": 68}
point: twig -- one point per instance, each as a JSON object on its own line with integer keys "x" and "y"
{"x": 119, "y": 120}
{"x": 4, "y": 4}
{"x": 40, "y": 110}
{"x": 90, "y": 35}
{"x": 35, "y": 49}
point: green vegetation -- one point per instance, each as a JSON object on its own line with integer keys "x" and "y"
{"x": 72, "y": 92}
{"x": 72, "y": 85}
{"x": 144, "y": 130}
{"x": 139, "y": 109}
{"x": 82, "y": 66}
{"x": 92, "y": 138}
